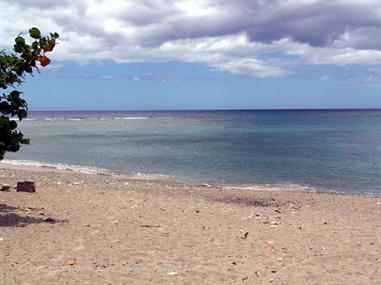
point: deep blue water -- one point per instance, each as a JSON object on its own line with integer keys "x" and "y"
{"x": 337, "y": 150}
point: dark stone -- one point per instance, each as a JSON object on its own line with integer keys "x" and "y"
{"x": 50, "y": 220}
{"x": 26, "y": 186}
{"x": 5, "y": 187}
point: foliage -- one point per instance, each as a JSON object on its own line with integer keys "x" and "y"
{"x": 13, "y": 69}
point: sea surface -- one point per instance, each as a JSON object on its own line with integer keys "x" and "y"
{"x": 313, "y": 150}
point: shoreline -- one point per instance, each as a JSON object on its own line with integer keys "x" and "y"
{"x": 157, "y": 232}
{"x": 39, "y": 166}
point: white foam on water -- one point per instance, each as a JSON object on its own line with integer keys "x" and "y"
{"x": 65, "y": 168}
{"x": 54, "y": 119}
{"x": 80, "y": 119}
{"x": 131, "y": 118}
{"x": 68, "y": 168}
{"x": 296, "y": 188}
{"x": 149, "y": 176}
{"x": 57, "y": 167}
{"x": 74, "y": 119}
{"x": 26, "y": 119}
{"x": 276, "y": 187}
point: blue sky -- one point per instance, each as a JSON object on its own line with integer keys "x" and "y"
{"x": 186, "y": 86}
{"x": 138, "y": 55}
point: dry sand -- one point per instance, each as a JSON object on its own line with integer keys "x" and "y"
{"x": 147, "y": 232}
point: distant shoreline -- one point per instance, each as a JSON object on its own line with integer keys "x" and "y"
{"x": 212, "y": 110}
{"x": 62, "y": 168}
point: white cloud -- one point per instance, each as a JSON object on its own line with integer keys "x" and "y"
{"x": 226, "y": 35}
{"x": 325, "y": 77}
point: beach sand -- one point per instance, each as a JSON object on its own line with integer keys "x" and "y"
{"x": 150, "y": 232}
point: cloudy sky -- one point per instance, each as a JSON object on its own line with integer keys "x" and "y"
{"x": 167, "y": 54}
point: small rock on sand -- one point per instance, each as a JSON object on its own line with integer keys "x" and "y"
{"x": 5, "y": 187}
{"x": 26, "y": 186}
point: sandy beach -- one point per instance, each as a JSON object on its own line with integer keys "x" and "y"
{"x": 83, "y": 229}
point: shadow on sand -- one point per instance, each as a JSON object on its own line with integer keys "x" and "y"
{"x": 248, "y": 200}
{"x": 10, "y": 217}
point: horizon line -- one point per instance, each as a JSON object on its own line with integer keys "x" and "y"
{"x": 238, "y": 109}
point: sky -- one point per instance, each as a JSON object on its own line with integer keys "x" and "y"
{"x": 212, "y": 54}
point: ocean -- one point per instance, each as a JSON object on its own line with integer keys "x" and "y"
{"x": 311, "y": 150}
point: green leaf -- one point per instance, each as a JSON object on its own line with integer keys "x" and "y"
{"x": 25, "y": 141}
{"x": 35, "y": 33}
{"x": 20, "y": 40}
{"x": 35, "y": 45}
{"x": 12, "y": 125}
{"x": 12, "y": 70}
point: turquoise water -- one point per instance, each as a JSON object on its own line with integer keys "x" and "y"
{"x": 326, "y": 150}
